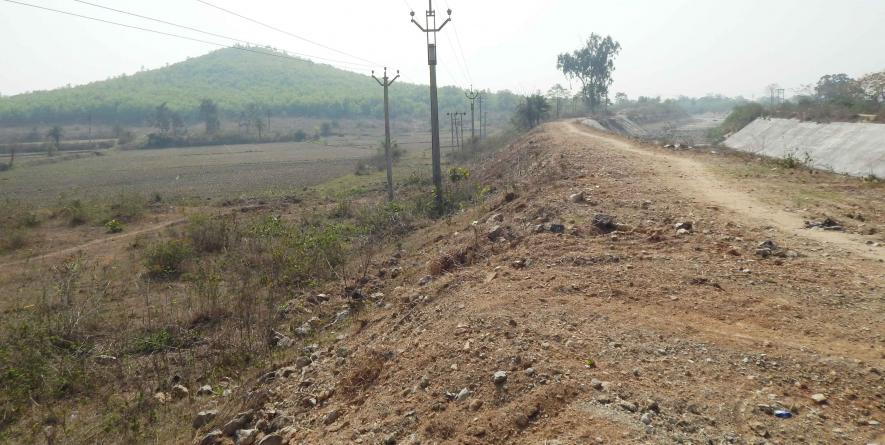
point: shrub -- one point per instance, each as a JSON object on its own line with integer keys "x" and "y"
{"x": 11, "y": 240}
{"x": 114, "y": 226}
{"x": 739, "y": 118}
{"x": 127, "y": 207}
{"x": 165, "y": 259}
{"x": 299, "y": 136}
{"x": 208, "y": 233}
{"x": 75, "y": 212}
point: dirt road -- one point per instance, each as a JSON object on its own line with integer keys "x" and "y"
{"x": 569, "y": 308}
{"x": 698, "y": 183}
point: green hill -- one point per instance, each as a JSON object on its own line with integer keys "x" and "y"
{"x": 234, "y": 79}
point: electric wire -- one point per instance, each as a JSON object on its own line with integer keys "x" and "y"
{"x": 211, "y": 33}
{"x": 460, "y": 47}
{"x": 169, "y": 34}
{"x": 283, "y": 31}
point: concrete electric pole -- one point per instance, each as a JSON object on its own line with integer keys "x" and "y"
{"x": 430, "y": 29}
{"x": 452, "y": 120}
{"x": 386, "y": 83}
{"x": 471, "y": 96}
{"x": 461, "y": 130}
{"x": 480, "y": 115}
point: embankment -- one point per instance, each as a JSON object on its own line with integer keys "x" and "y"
{"x": 855, "y": 149}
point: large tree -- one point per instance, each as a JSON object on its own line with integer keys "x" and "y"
{"x": 873, "y": 86}
{"x": 592, "y": 65}
{"x": 839, "y": 89}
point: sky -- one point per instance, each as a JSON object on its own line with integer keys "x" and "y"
{"x": 669, "y": 47}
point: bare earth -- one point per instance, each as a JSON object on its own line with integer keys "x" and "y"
{"x": 639, "y": 335}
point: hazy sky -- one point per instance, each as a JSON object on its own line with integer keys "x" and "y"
{"x": 670, "y": 47}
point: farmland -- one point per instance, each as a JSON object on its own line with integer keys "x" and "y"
{"x": 194, "y": 173}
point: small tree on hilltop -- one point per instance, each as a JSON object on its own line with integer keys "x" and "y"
{"x": 592, "y": 65}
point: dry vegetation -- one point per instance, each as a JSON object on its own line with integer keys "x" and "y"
{"x": 95, "y": 340}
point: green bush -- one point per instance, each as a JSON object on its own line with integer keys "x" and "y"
{"x": 36, "y": 367}
{"x": 114, "y": 226}
{"x": 165, "y": 259}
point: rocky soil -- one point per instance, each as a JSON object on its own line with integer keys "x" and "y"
{"x": 590, "y": 300}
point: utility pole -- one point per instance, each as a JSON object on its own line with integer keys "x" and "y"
{"x": 471, "y": 96}
{"x": 452, "y": 120}
{"x": 480, "y": 115}
{"x": 430, "y": 29}
{"x": 461, "y": 129}
{"x": 386, "y": 83}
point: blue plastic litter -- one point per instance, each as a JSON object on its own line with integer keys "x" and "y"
{"x": 783, "y": 414}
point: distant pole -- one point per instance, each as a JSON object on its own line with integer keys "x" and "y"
{"x": 480, "y": 116}
{"x": 452, "y": 120}
{"x": 11, "y": 156}
{"x": 430, "y": 29}
{"x": 461, "y": 125}
{"x": 268, "y": 121}
{"x": 386, "y": 83}
{"x": 471, "y": 96}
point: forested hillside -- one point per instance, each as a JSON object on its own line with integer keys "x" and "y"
{"x": 233, "y": 79}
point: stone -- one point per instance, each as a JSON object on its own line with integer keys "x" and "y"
{"x": 463, "y": 395}
{"x": 596, "y": 384}
{"x": 212, "y": 438}
{"x": 646, "y": 419}
{"x": 685, "y": 225}
{"x": 205, "y": 390}
{"x": 576, "y": 197}
{"x": 106, "y": 360}
{"x": 424, "y": 382}
{"x": 500, "y": 377}
{"x": 179, "y": 392}
{"x": 683, "y": 232}
{"x": 475, "y": 405}
{"x": 246, "y": 437}
{"x": 162, "y": 397}
{"x": 530, "y": 372}
{"x": 557, "y": 228}
{"x": 495, "y": 233}
{"x": 819, "y": 398}
{"x": 424, "y": 281}
{"x": 332, "y": 416}
{"x": 203, "y": 418}
{"x": 271, "y": 439}
{"x": 237, "y": 423}
{"x": 302, "y": 361}
{"x": 628, "y": 406}
{"x": 604, "y": 223}
{"x": 497, "y": 217}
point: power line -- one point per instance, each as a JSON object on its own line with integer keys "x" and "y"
{"x": 211, "y": 33}
{"x": 288, "y": 33}
{"x": 460, "y": 48}
{"x": 169, "y": 34}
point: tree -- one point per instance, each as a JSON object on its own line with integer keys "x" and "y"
{"x": 161, "y": 118}
{"x": 55, "y": 133}
{"x": 260, "y": 125}
{"x": 209, "y": 116}
{"x": 592, "y": 65}
{"x": 838, "y": 89}
{"x": 621, "y": 98}
{"x": 873, "y": 86}
{"x": 557, "y": 93}
{"x": 531, "y": 111}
